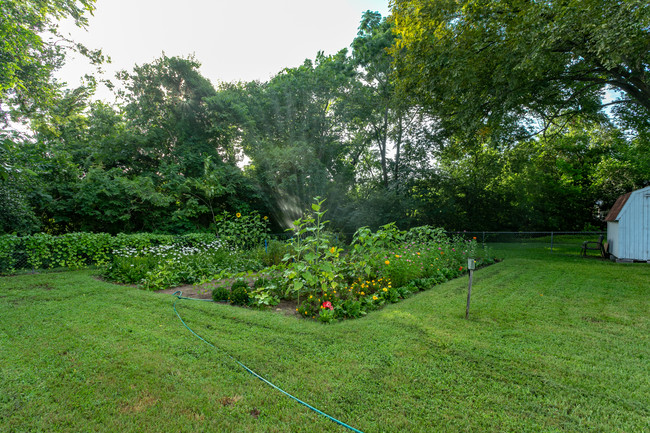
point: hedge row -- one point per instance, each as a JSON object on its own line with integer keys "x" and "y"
{"x": 78, "y": 250}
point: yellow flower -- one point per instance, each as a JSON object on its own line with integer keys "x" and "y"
{"x": 418, "y": 254}
{"x": 361, "y": 293}
{"x": 385, "y": 289}
{"x": 310, "y": 296}
{"x": 332, "y": 250}
{"x": 396, "y": 255}
{"x": 238, "y": 215}
{"x": 374, "y": 298}
{"x": 265, "y": 217}
{"x": 387, "y": 262}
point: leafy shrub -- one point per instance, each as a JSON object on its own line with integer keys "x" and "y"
{"x": 163, "y": 266}
{"x": 9, "y": 251}
{"x": 239, "y": 293}
{"x": 261, "y": 282}
{"x": 129, "y": 270}
{"x": 263, "y": 298}
{"x": 273, "y": 253}
{"x": 220, "y": 294}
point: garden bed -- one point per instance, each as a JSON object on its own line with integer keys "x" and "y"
{"x": 286, "y": 307}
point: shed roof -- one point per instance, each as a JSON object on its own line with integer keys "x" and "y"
{"x": 612, "y": 215}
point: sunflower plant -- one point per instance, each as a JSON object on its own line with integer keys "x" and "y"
{"x": 313, "y": 264}
{"x": 242, "y": 231}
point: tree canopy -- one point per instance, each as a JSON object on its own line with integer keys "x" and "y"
{"x": 471, "y": 115}
{"x": 512, "y": 68}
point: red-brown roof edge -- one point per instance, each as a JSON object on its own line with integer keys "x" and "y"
{"x": 612, "y": 215}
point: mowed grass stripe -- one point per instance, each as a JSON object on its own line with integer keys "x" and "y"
{"x": 554, "y": 343}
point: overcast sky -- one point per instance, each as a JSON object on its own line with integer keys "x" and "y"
{"x": 233, "y": 39}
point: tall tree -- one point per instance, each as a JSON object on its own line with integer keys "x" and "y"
{"x": 32, "y": 49}
{"x": 294, "y": 132}
{"x": 515, "y": 67}
{"x": 167, "y": 110}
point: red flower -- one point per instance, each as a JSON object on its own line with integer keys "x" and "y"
{"x": 328, "y": 305}
{"x": 460, "y": 269}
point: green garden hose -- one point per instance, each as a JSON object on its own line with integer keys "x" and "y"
{"x": 179, "y": 295}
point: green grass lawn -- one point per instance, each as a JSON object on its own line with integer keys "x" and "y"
{"x": 555, "y": 342}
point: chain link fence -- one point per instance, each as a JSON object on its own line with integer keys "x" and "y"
{"x": 552, "y": 240}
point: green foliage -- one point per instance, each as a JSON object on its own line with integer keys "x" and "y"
{"x": 33, "y": 49}
{"x": 446, "y": 144}
{"x": 173, "y": 264}
{"x": 129, "y": 270}
{"x": 312, "y": 264}
{"x": 273, "y": 252}
{"x": 239, "y": 293}
{"x": 244, "y": 231}
{"x": 261, "y": 282}
{"x": 220, "y": 294}
{"x": 9, "y": 253}
{"x": 486, "y": 67}
{"x": 261, "y": 297}
{"x": 72, "y": 250}
{"x": 16, "y": 214}
{"x": 380, "y": 268}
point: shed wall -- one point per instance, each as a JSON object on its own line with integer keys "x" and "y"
{"x": 633, "y": 240}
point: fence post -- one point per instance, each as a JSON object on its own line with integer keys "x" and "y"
{"x": 470, "y": 267}
{"x": 551, "y": 241}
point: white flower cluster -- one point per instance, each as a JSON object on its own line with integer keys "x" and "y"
{"x": 168, "y": 251}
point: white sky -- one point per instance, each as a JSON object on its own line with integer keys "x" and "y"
{"x": 233, "y": 39}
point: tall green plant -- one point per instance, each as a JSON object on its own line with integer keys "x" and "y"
{"x": 313, "y": 266}
{"x": 242, "y": 231}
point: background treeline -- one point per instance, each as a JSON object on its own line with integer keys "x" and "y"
{"x": 421, "y": 121}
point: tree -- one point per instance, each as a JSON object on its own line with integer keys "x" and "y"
{"x": 510, "y": 68}
{"x": 295, "y": 134}
{"x": 32, "y": 49}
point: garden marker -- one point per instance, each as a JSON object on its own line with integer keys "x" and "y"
{"x": 178, "y": 294}
{"x": 471, "y": 264}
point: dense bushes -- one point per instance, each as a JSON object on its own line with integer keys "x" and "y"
{"x": 78, "y": 250}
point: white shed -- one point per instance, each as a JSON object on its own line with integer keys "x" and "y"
{"x": 628, "y": 226}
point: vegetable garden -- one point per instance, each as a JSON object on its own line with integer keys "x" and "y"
{"x": 326, "y": 279}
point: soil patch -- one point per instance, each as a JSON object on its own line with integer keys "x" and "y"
{"x": 288, "y": 308}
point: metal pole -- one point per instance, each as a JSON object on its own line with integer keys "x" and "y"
{"x": 551, "y": 241}
{"x": 469, "y": 293}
